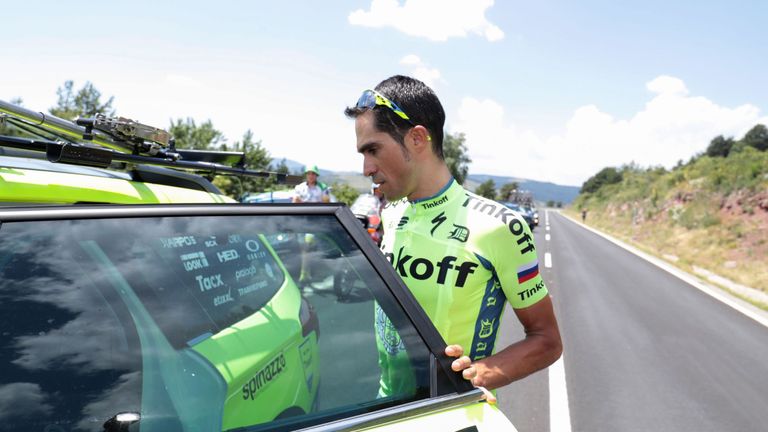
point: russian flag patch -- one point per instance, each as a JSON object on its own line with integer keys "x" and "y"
{"x": 528, "y": 271}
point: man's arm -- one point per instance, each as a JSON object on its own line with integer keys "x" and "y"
{"x": 540, "y": 348}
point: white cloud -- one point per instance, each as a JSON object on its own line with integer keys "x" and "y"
{"x": 671, "y": 126}
{"x": 436, "y": 20}
{"x": 410, "y": 60}
{"x": 666, "y": 84}
{"x": 421, "y": 70}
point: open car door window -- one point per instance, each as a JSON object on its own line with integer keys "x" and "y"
{"x": 203, "y": 318}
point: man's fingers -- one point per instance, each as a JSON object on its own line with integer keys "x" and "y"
{"x": 469, "y": 373}
{"x": 487, "y": 395}
{"x": 454, "y": 351}
{"x": 461, "y": 364}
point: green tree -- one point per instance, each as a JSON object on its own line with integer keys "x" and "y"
{"x": 189, "y": 135}
{"x": 455, "y": 153}
{"x": 720, "y": 146}
{"x": 85, "y": 102}
{"x": 606, "y": 176}
{"x": 506, "y": 190}
{"x": 256, "y": 158}
{"x": 486, "y": 189}
{"x": 344, "y": 193}
{"x": 757, "y": 137}
{"x": 550, "y": 203}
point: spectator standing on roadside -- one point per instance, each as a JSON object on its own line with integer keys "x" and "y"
{"x": 462, "y": 256}
{"x": 311, "y": 190}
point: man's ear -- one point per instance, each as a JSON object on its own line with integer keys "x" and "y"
{"x": 421, "y": 138}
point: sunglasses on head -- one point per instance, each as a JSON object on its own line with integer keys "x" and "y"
{"x": 371, "y": 98}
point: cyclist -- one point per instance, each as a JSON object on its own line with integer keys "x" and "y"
{"x": 462, "y": 256}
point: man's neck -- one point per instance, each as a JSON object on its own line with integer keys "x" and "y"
{"x": 432, "y": 180}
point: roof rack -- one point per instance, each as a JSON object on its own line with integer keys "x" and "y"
{"x": 102, "y": 140}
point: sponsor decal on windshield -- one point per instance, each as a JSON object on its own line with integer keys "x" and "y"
{"x": 177, "y": 242}
{"x": 194, "y": 261}
{"x": 227, "y": 255}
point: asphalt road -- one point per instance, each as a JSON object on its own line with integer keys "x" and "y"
{"x": 643, "y": 350}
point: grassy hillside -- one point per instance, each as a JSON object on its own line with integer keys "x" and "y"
{"x": 710, "y": 213}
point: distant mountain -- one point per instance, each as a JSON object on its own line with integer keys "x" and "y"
{"x": 541, "y": 191}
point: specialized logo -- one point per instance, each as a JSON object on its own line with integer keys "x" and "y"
{"x": 421, "y": 268}
{"x": 528, "y": 271}
{"x": 436, "y": 222}
{"x": 263, "y": 377}
{"x": 194, "y": 261}
{"x": 434, "y": 204}
{"x": 507, "y": 216}
{"x": 526, "y": 294}
{"x": 460, "y": 233}
{"x": 403, "y": 221}
{"x": 387, "y": 333}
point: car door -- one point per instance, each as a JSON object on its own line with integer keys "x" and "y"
{"x": 211, "y": 318}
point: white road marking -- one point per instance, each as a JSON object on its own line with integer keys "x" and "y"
{"x": 547, "y": 227}
{"x": 559, "y": 413}
{"x": 547, "y": 260}
{"x": 546, "y": 237}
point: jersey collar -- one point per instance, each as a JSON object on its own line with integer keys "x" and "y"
{"x": 448, "y": 193}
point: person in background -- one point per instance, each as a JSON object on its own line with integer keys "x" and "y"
{"x": 311, "y": 190}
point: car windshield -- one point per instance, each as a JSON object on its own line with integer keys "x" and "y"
{"x": 194, "y": 323}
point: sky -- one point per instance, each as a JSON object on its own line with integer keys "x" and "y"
{"x": 552, "y": 90}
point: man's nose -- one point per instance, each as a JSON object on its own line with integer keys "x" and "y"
{"x": 369, "y": 168}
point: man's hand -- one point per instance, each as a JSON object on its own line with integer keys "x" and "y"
{"x": 469, "y": 371}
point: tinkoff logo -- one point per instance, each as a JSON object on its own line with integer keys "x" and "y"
{"x": 436, "y": 203}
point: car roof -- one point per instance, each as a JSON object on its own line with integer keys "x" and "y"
{"x": 44, "y": 165}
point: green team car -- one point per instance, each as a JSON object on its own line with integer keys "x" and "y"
{"x": 134, "y": 296}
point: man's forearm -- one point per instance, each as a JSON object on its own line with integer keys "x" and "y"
{"x": 535, "y": 352}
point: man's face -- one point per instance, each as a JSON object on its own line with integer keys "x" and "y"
{"x": 311, "y": 178}
{"x": 384, "y": 159}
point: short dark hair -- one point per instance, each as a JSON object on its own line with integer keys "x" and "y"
{"x": 417, "y": 100}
